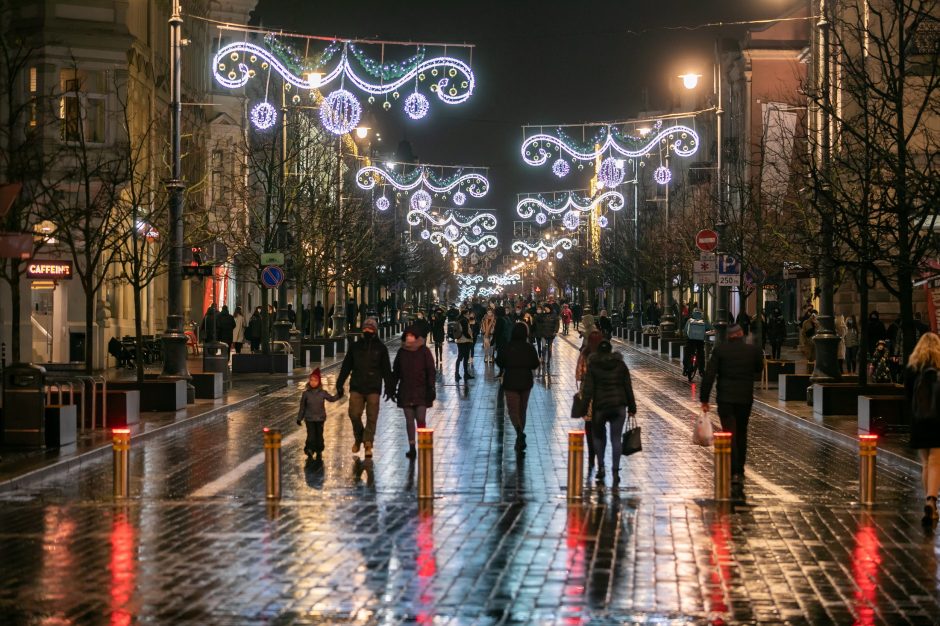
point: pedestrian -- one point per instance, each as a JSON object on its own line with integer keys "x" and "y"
{"x": 735, "y": 364}
{"x": 587, "y": 322}
{"x": 776, "y": 334}
{"x": 876, "y": 331}
{"x": 238, "y": 334}
{"x": 318, "y": 313}
{"x": 576, "y": 313}
{"x": 547, "y": 326}
{"x": 841, "y": 328}
{"x": 474, "y": 325}
{"x": 463, "y": 337}
{"x": 744, "y": 321}
{"x": 254, "y": 330}
{"x": 368, "y": 363}
{"x": 313, "y": 413}
{"x": 851, "y": 340}
{"x": 225, "y": 327}
{"x": 590, "y": 347}
{"x": 486, "y": 328}
{"x": 807, "y": 332}
{"x": 606, "y": 384}
{"x": 291, "y": 314}
{"x": 421, "y": 325}
{"x": 413, "y": 377}
{"x": 207, "y": 329}
{"x": 565, "y": 318}
{"x": 604, "y": 324}
{"x": 922, "y": 391}
{"x": 517, "y": 360}
{"x": 438, "y": 332}
{"x": 696, "y": 330}
{"x": 502, "y": 330}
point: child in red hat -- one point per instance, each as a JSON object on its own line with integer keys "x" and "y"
{"x": 313, "y": 413}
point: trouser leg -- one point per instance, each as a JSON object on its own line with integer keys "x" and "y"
{"x": 616, "y": 420}
{"x": 734, "y": 419}
{"x": 317, "y": 437}
{"x": 372, "y": 417}
{"x": 409, "y": 412}
{"x": 311, "y": 436}
{"x": 514, "y": 407}
{"x": 589, "y": 436}
{"x": 357, "y": 403}
{"x": 599, "y": 434}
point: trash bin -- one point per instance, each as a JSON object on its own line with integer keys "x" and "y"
{"x": 24, "y": 405}
{"x": 214, "y": 357}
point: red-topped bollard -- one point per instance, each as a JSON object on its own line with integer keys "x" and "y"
{"x": 575, "y": 464}
{"x": 120, "y": 450}
{"x": 272, "y": 463}
{"x": 722, "y": 466}
{"x": 867, "y": 468}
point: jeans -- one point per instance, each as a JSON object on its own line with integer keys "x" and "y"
{"x": 851, "y": 359}
{"x": 473, "y": 345}
{"x": 463, "y": 356}
{"x": 314, "y": 441}
{"x": 438, "y": 351}
{"x": 487, "y": 346}
{"x": 518, "y": 403}
{"x": 930, "y": 459}
{"x": 414, "y": 414}
{"x": 696, "y": 347}
{"x": 734, "y": 418}
{"x": 615, "y": 417}
{"x": 357, "y": 403}
{"x": 775, "y": 347}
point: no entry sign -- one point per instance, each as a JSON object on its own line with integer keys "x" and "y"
{"x": 706, "y": 240}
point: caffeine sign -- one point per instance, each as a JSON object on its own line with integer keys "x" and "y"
{"x": 49, "y": 270}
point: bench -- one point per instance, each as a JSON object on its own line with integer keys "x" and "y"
{"x": 259, "y": 363}
{"x": 881, "y": 414}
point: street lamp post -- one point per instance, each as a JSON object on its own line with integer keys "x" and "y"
{"x": 339, "y": 301}
{"x": 174, "y": 339}
{"x": 281, "y": 322}
{"x": 667, "y": 323}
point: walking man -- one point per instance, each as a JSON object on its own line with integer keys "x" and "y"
{"x": 367, "y": 360}
{"x": 735, "y": 364}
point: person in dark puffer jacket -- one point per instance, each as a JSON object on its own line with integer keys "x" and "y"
{"x": 367, "y": 361}
{"x": 607, "y": 385}
{"x": 518, "y": 359}
{"x": 413, "y": 379}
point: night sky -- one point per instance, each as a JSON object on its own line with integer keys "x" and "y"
{"x": 535, "y": 63}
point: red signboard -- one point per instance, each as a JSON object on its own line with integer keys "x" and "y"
{"x": 706, "y": 240}
{"x": 49, "y": 270}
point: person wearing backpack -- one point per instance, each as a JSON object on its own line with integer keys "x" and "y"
{"x": 922, "y": 391}
{"x": 695, "y": 330}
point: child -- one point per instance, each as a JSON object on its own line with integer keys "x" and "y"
{"x": 313, "y": 412}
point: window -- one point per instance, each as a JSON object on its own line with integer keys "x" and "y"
{"x": 82, "y": 105}
{"x": 33, "y": 96}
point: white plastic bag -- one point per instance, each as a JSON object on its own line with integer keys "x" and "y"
{"x": 702, "y": 434}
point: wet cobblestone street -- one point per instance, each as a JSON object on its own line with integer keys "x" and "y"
{"x": 197, "y": 544}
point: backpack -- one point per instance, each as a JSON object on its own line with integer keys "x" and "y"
{"x": 926, "y": 400}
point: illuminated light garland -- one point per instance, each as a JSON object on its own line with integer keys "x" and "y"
{"x": 559, "y": 254}
{"x": 662, "y": 175}
{"x": 571, "y": 220}
{"x": 611, "y": 173}
{"x": 425, "y": 234}
{"x": 460, "y": 198}
{"x": 523, "y": 247}
{"x": 503, "y": 279}
{"x": 463, "y": 249}
{"x": 417, "y": 106}
{"x": 486, "y": 220}
{"x": 489, "y": 292}
{"x": 570, "y": 200}
{"x": 469, "y": 279}
{"x": 443, "y": 251}
{"x": 602, "y": 221}
{"x": 472, "y": 183}
{"x": 232, "y": 70}
{"x": 263, "y": 115}
{"x": 489, "y": 241}
{"x": 382, "y": 203}
{"x": 340, "y": 112}
{"x": 420, "y": 200}
{"x": 540, "y": 219}
{"x": 560, "y": 168}
{"x": 535, "y": 154}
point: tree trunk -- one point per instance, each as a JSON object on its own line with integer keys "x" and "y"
{"x": 138, "y": 337}
{"x": 15, "y": 318}
{"x": 863, "y": 328}
{"x": 89, "y": 330}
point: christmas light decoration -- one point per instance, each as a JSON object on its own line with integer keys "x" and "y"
{"x": 443, "y": 251}
{"x": 420, "y": 200}
{"x": 525, "y": 248}
{"x": 417, "y": 106}
{"x": 382, "y": 203}
{"x": 484, "y": 220}
{"x": 488, "y": 241}
{"x": 463, "y": 249}
{"x": 611, "y": 173}
{"x": 662, "y": 175}
{"x": 540, "y": 219}
{"x": 503, "y": 279}
{"x": 602, "y": 221}
{"x": 560, "y": 168}
{"x": 537, "y": 149}
{"x": 568, "y": 201}
{"x": 263, "y": 115}
{"x": 471, "y": 183}
{"x": 340, "y": 112}
{"x": 571, "y": 220}
{"x": 559, "y": 254}
{"x": 460, "y": 198}
{"x": 425, "y": 234}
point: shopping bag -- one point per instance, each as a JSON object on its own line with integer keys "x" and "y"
{"x": 579, "y": 406}
{"x": 631, "y": 443}
{"x": 702, "y": 434}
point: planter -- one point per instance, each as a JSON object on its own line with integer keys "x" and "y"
{"x": 164, "y": 394}
{"x": 209, "y": 385}
{"x": 263, "y": 363}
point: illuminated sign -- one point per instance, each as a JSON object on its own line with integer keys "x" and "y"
{"x": 49, "y": 270}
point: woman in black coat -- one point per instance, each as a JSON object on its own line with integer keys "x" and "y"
{"x": 921, "y": 390}
{"x": 438, "y": 322}
{"x": 607, "y": 385}
{"x": 413, "y": 379}
{"x": 518, "y": 359}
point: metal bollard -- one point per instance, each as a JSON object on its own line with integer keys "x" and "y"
{"x": 272, "y": 464}
{"x": 722, "y": 466}
{"x": 867, "y": 467}
{"x": 425, "y": 463}
{"x": 575, "y": 464}
{"x": 121, "y": 449}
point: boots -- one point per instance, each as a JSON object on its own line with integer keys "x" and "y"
{"x": 368, "y": 449}
{"x": 412, "y": 453}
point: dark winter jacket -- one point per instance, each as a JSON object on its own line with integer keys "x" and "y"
{"x": 413, "y": 375}
{"x": 421, "y": 326}
{"x": 254, "y": 328}
{"x": 925, "y": 433}
{"x": 777, "y": 329}
{"x": 517, "y": 359}
{"x": 367, "y": 361}
{"x": 225, "y": 326}
{"x": 500, "y": 332}
{"x": 546, "y": 325}
{"x": 312, "y": 408}
{"x": 607, "y": 383}
{"x": 736, "y": 365}
{"x": 437, "y": 327}
{"x": 604, "y": 325}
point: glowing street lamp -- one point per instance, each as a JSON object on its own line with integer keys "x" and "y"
{"x": 362, "y": 132}
{"x": 690, "y": 80}
{"x": 314, "y": 79}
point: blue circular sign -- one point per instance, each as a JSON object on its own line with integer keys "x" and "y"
{"x": 272, "y": 276}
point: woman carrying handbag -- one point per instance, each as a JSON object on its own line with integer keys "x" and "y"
{"x": 584, "y": 407}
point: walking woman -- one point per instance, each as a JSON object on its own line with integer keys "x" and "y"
{"x": 920, "y": 389}
{"x": 851, "y": 340}
{"x": 487, "y": 328}
{"x": 238, "y": 334}
{"x": 590, "y": 347}
{"x": 413, "y": 376}
{"x": 607, "y": 385}
{"x": 438, "y": 322}
{"x": 518, "y": 359}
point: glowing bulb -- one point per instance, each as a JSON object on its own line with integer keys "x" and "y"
{"x": 314, "y": 79}
{"x": 690, "y": 80}
{"x": 362, "y": 132}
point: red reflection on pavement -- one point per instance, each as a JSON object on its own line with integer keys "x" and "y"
{"x": 721, "y": 559}
{"x": 866, "y": 558}
{"x": 426, "y": 567}
{"x": 122, "y": 569}
{"x": 573, "y": 592}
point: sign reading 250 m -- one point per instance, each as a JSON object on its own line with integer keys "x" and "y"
{"x": 49, "y": 270}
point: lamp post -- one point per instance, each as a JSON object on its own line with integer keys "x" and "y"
{"x": 174, "y": 339}
{"x": 667, "y": 321}
{"x": 281, "y": 321}
{"x": 339, "y": 304}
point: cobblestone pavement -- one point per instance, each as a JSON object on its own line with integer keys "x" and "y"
{"x": 196, "y": 544}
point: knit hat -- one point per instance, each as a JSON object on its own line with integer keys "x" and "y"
{"x": 370, "y": 324}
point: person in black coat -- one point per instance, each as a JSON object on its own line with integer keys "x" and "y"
{"x": 225, "y": 326}
{"x": 413, "y": 382}
{"x": 776, "y": 333}
{"x": 438, "y": 333}
{"x": 606, "y": 384}
{"x": 736, "y": 365}
{"x": 367, "y": 361}
{"x": 920, "y": 380}
{"x": 254, "y": 330}
{"x": 518, "y": 359}
{"x": 318, "y": 313}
